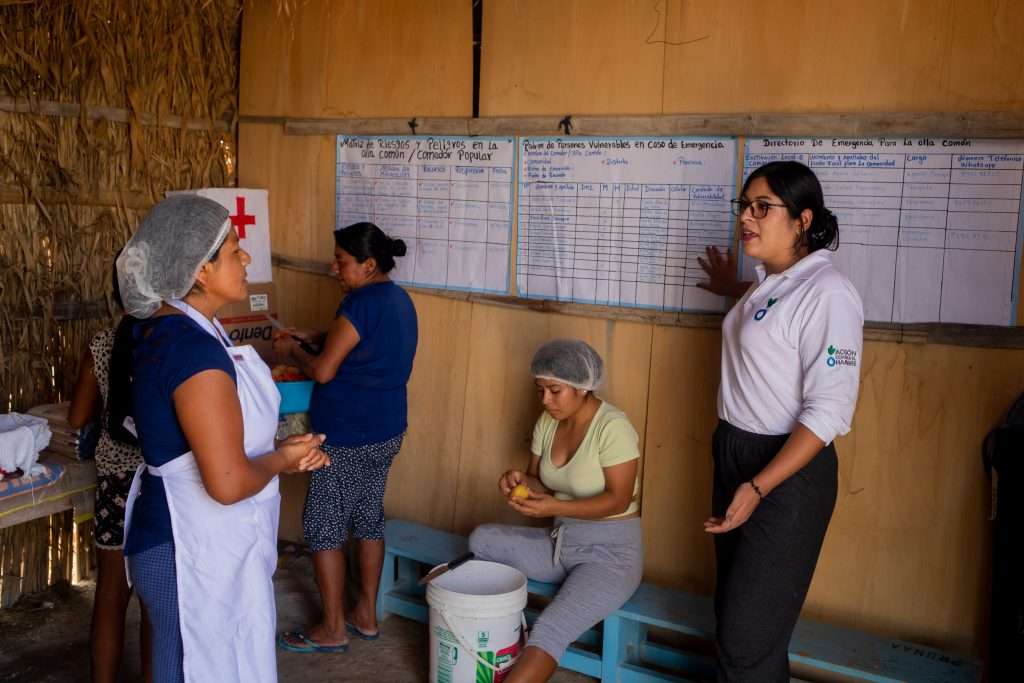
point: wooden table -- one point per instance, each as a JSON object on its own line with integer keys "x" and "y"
{"x": 75, "y": 491}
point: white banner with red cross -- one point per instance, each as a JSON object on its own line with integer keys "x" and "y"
{"x": 250, "y": 217}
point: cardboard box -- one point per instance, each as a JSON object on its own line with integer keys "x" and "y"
{"x": 246, "y": 321}
{"x": 65, "y": 440}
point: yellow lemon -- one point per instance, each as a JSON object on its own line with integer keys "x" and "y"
{"x": 520, "y": 491}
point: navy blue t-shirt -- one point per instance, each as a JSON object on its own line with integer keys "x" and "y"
{"x": 168, "y": 351}
{"x": 366, "y": 403}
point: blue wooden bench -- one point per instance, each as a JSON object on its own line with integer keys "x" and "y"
{"x": 621, "y": 652}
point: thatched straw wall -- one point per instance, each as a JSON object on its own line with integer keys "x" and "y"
{"x": 104, "y": 106}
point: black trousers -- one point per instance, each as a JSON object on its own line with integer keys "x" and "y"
{"x": 764, "y": 568}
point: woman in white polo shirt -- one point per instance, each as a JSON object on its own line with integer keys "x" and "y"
{"x": 791, "y": 351}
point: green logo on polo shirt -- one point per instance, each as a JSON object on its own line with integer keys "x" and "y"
{"x": 840, "y": 357}
{"x": 762, "y": 312}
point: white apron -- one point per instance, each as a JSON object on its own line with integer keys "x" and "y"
{"x": 225, "y": 555}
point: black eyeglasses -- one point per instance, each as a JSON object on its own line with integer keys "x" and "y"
{"x": 758, "y": 209}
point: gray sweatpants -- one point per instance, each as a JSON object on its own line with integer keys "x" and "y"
{"x": 599, "y": 564}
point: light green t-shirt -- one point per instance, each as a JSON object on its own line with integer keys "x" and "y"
{"x": 610, "y": 440}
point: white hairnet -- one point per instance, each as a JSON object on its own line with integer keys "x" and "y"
{"x": 570, "y": 361}
{"x": 163, "y": 257}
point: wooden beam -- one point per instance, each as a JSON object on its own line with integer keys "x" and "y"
{"x": 384, "y": 126}
{"x": 65, "y": 310}
{"x": 982, "y": 336}
{"x": 300, "y": 265}
{"x": 81, "y": 310}
{"x": 13, "y": 194}
{"x": 976, "y": 124}
{"x": 981, "y": 124}
{"x": 75, "y": 490}
{"x": 985, "y": 336}
{"x": 74, "y": 110}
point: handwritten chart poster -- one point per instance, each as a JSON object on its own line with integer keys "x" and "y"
{"x": 929, "y": 228}
{"x": 621, "y": 221}
{"x": 448, "y": 198}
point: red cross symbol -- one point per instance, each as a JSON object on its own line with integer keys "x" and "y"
{"x": 241, "y": 218}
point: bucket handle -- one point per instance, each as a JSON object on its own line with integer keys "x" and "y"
{"x": 455, "y": 631}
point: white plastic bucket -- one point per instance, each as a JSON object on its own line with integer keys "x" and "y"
{"x": 476, "y": 622}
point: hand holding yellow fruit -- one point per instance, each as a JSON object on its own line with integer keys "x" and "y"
{"x": 520, "y": 492}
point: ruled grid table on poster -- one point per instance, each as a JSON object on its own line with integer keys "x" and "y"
{"x": 621, "y": 221}
{"x": 449, "y": 198}
{"x": 929, "y": 228}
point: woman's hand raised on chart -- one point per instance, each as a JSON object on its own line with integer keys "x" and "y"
{"x": 302, "y": 453}
{"x": 510, "y": 480}
{"x": 722, "y": 273}
{"x": 742, "y": 506}
{"x": 536, "y": 505}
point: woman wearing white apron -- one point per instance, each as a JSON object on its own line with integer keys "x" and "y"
{"x": 201, "y": 519}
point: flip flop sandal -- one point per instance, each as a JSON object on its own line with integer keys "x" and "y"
{"x": 353, "y": 630}
{"x": 308, "y": 644}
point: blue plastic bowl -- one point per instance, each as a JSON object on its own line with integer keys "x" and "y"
{"x": 295, "y": 396}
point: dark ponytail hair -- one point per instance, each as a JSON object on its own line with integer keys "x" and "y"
{"x": 799, "y": 189}
{"x": 119, "y": 375}
{"x": 364, "y": 240}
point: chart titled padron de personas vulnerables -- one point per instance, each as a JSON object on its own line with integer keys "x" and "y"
{"x": 621, "y": 221}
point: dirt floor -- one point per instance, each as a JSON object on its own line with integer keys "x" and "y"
{"x": 45, "y": 638}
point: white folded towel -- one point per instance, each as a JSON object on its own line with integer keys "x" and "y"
{"x": 21, "y": 439}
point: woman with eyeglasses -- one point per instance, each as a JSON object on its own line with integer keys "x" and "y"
{"x": 791, "y": 350}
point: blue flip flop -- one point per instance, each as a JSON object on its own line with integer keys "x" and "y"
{"x": 309, "y": 645}
{"x": 353, "y": 630}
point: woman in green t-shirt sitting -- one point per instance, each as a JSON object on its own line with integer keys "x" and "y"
{"x": 583, "y": 472}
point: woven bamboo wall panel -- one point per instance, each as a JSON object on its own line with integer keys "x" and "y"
{"x": 72, "y": 189}
{"x": 86, "y": 87}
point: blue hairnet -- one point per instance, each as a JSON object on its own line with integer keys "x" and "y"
{"x": 163, "y": 257}
{"x": 570, "y": 361}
